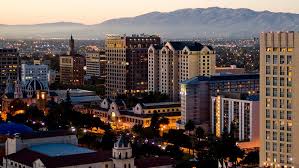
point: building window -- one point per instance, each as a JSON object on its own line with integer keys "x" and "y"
{"x": 289, "y": 115}
{"x": 289, "y": 59}
{"x": 282, "y": 59}
{"x": 268, "y": 70}
{"x": 268, "y": 59}
{"x": 267, "y": 113}
{"x": 268, "y": 124}
{"x": 274, "y": 59}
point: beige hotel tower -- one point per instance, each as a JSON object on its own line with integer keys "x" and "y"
{"x": 279, "y": 82}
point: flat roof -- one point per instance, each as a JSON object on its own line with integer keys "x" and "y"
{"x": 59, "y": 149}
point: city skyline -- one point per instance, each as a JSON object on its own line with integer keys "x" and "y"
{"x": 35, "y": 12}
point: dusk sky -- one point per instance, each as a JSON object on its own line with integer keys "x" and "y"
{"x": 96, "y": 11}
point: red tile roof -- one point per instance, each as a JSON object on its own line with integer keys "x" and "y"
{"x": 27, "y": 157}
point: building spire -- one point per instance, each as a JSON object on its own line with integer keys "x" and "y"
{"x": 18, "y": 89}
{"x": 9, "y": 86}
{"x": 72, "y": 45}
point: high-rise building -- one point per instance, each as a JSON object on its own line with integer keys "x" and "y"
{"x": 96, "y": 64}
{"x": 35, "y": 75}
{"x": 175, "y": 62}
{"x": 196, "y": 94}
{"x": 127, "y": 64}
{"x": 9, "y": 66}
{"x": 236, "y": 114}
{"x": 279, "y": 54}
{"x": 72, "y": 67}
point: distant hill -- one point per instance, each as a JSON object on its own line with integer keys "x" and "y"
{"x": 184, "y": 23}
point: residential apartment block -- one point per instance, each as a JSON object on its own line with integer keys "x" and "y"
{"x": 176, "y": 61}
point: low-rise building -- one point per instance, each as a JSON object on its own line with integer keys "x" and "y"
{"x": 79, "y": 96}
{"x": 116, "y": 113}
{"x": 60, "y": 149}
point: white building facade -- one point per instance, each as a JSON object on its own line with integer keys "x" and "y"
{"x": 175, "y": 62}
{"x": 241, "y": 116}
{"x": 35, "y": 75}
{"x": 96, "y": 64}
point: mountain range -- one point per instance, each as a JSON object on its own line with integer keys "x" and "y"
{"x": 183, "y": 23}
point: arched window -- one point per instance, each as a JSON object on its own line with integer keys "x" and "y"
{"x": 126, "y": 155}
{"x": 125, "y": 166}
{"x": 129, "y": 165}
{"x": 119, "y": 155}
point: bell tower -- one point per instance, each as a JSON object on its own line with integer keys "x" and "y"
{"x": 122, "y": 154}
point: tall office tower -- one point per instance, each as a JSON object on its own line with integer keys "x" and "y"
{"x": 127, "y": 63}
{"x": 96, "y": 64}
{"x": 72, "y": 67}
{"x": 279, "y": 53}
{"x": 35, "y": 76}
{"x": 175, "y": 62}
{"x": 9, "y": 66}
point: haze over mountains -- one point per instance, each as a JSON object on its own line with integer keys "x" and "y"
{"x": 184, "y": 23}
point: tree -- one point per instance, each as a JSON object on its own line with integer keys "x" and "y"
{"x": 189, "y": 126}
{"x": 16, "y": 105}
{"x": 200, "y": 133}
{"x": 164, "y": 121}
{"x": 252, "y": 158}
{"x": 174, "y": 151}
{"x": 137, "y": 129}
{"x": 108, "y": 140}
{"x": 33, "y": 113}
{"x": 155, "y": 121}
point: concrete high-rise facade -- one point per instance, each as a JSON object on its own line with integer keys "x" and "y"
{"x": 72, "y": 69}
{"x": 176, "y": 61}
{"x": 127, "y": 63}
{"x": 9, "y": 66}
{"x": 72, "y": 66}
{"x": 279, "y": 73}
{"x": 96, "y": 64}
{"x": 196, "y": 93}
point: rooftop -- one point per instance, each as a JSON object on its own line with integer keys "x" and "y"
{"x": 27, "y": 157}
{"x": 41, "y": 134}
{"x": 221, "y": 77}
{"x": 161, "y": 105}
{"x": 59, "y": 149}
{"x": 81, "y": 99}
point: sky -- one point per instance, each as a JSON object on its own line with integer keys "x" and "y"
{"x": 95, "y": 11}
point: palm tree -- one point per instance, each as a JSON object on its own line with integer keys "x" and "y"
{"x": 200, "y": 133}
{"x": 190, "y": 127}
